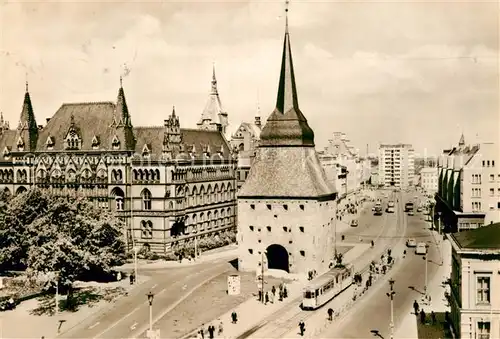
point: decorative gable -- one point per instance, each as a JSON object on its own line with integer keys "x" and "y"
{"x": 50, "y": 142}
{"x": 6, "y": 151}
{"x": 95, "y": 142}
{"x": 73, "y": 139}
{"x": 20, "y": 144}
{"x": 115, "y": 142}
{"x": 146, "y": 150}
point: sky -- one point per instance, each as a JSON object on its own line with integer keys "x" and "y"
{"x": 419, "y": 72}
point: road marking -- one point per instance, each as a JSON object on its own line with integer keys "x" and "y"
{"x": 174, "y": 305}
{"x": 116, "y": 323}
{"x": 154, "y": 286}
{"x": 97, "y": 323}
{"x": 134, "y": 326}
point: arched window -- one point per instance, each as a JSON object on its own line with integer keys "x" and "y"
{"x": 201, "y": 195}
{"x": 146, "y": 229}
{"x": 221, "y": 192}
{"x": 21, "y": 190}
{"x": 152, "y": 175}
{"x": 136, "y": 175}
{"x": 157, "y": 174}
{"x": 146, "y": 199}
{"x": 119, "y": 196}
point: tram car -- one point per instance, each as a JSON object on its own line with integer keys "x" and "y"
{"x": 326, "y": 287}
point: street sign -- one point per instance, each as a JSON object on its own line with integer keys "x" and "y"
{"x": 233, "y": 284}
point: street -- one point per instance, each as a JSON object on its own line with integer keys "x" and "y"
{"x": 132, "y": 312}
{"x": 374, "y": 309}
{"x": 385, "y": 230}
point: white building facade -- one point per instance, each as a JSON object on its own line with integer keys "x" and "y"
{"x": 429, "y": 179}
{"x": 396, "y": 165}
{"x": 469, "y": 186}
{"x": 475, "y": 283}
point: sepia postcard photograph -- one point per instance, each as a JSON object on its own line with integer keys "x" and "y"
{"x": 233, "y": 169}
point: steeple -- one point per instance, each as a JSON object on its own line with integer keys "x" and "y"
{"x": 461, "y": 143}
{"x": 121, "y": 108}
{"x": 287, "y": 126}
{"x": 213, "y": 116}
{"x": 27, "y": 129}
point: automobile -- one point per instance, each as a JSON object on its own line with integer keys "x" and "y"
{"x": 421, "y": 248}
{"x": 411, "y": 213}
{"x": 373, "y": 208}
{"x": 419, "y": 209}
{"x": 411, "y": 243}
{"x": 390, "y": 209}
{"x": 354, "y": 223}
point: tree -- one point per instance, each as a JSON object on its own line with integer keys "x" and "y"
{"x": 65, "y": 234}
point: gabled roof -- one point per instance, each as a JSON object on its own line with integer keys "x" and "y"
{"x": 91, "y": 118}
{"x": 486, "y": 237}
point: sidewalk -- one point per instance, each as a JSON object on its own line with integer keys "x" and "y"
{"x": 20, "y": 323}
{"x": 219, "y": 253}
{"x": 408, "y": 327}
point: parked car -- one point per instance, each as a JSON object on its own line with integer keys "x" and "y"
{"x": 354, "y": 223}
{"x": 411, "y": 213}
{"x": 411, "y": 243}
{"x": 419, "y": 209}
{"x": 421, "y": 248}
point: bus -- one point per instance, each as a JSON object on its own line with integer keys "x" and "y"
{"x": 326, "y": 287}
{"x": 409, "y": 206}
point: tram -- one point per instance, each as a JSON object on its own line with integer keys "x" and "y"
{"x": 326, "y": 287}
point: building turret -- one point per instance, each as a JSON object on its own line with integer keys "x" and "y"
{"x": 213, "y": 116}
{"x": 27, "y": 130}
{"x": 123, "y": 123}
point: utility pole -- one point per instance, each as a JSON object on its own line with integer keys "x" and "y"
{"x": 135, "y": 263}
{"x": 195, "y": 247}
{"x": 150, "y": 296}
{"x": 425, "y": 287}
{"x": 391, "y": 296}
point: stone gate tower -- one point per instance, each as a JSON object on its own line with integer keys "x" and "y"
{"x": 286, "y": 207}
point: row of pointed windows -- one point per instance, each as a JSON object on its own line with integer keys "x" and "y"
{"x": 146, "y": 175}
{"x": 73, "y": 142}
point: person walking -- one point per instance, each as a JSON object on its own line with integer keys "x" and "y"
{"x": 267, "y": 298}
{"x": 234, "y": 317}
{"x": 221, "y": 328}
{"x": 302, "y": 328}
{"x": 330, "y": 314}
{"x": 202, "y": 331}
{"x": 422, "y": 316}
{"x": 415, "y": 307}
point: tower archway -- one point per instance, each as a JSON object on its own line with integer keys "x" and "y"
{"x": 277, "y": 258}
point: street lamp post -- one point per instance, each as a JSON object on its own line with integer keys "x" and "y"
{"x": 391, "y": 296}
{"x": 262, "y": 275}
{"x": 439, "y": 223}
{"x": 136, "y": 249}
{"x": 425, "y": 286}
{"x": 150, "y": 296}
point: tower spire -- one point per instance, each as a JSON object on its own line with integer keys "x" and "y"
{"x": 214, "y": 80}
{"x": 287, "y": 126}
{"x": 287, "y": 2}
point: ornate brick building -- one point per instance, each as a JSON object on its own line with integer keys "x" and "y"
{"x": 286, "y": 206}
{"x": 170, "y": 184}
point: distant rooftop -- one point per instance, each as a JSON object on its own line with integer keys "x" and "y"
{"x": 486, "y": 237}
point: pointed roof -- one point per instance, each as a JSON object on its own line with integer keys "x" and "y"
{"x": 214, "y": 106}
{"x": 461, "y": 142}
{"x": 287, "y": 126}
{"x": 121, "y": 107}
{"x": 27, "y": 119}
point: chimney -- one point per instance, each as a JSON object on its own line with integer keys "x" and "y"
{"x": 257, "y": 122}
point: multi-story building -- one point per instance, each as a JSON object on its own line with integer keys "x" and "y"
{"x": 468, "y": 186}
{"x": 286, "y": 206}
{"x": 169, "y": 184}
{"x": 245, "y": 141}
{"x": 396, "y": 165}
{"x": 344, "y": 167}
{"x": 475, "y": 283}
{"x": 429, "y": 179}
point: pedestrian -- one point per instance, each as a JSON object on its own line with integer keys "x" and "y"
{"x": 260, "y": 295}
{"x": 433, "y": 317}
{"x": 302, "y": 328}
{"x": 373, "y": 243}
{"x": 131, "y": 278}
{"x": 281, "y": 295}
{"x": 422, "y": 316}
{"x": 234, "y": 317}
{"x": 415, "y": 307}
{"x": 202, "y": 331}
{"x": 211, "y": 330}
{"x": 330, "y": 314}
{"x": 285, "y": 292}
{"x": 267, "y": 298}
{"x": 118, "y": 276}
{"x": 273, "y": 289}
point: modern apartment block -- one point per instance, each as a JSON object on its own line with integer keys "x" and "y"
{"x": 396, "y": 165}
{"x": 469, "y": 186}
